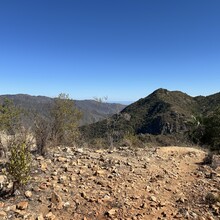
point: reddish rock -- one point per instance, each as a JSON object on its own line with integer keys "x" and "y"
{"x": 22, "y": 205}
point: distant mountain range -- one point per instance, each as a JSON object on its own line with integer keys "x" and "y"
{"x": 92, "y": 110}
{"x": 162, "y": 112}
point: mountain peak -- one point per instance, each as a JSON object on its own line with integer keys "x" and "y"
{"x": 161, "y": 90}
{"x": 162, "y": 112}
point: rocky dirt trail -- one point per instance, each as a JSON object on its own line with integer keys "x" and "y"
{"x": 151, "y": 183}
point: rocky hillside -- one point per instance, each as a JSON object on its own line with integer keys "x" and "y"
{"x": 142, "y": 184}
{"x": 92, "y": 111}
{"x": 162, "y": 112}
{"x": 208, "y": 103}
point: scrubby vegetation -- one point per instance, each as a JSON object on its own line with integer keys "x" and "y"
{"x": 10, "y": 117}
{"x": 42, "y": 132}
{"x": 162, "y": 118}
{"x": 60, "y": 129}
{"x": 19, "y": 164}
{"x": 92, "y": 110}
{"x": 14, "y": 144}
{"x": 64, "y": 120}
{"x": 206, "y": 130}
{"x": 51, "y": 151}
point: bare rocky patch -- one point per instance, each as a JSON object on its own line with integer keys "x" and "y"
{"x": 151, "y": 183}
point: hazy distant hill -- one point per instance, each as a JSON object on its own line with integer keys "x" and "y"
{"x": 162, "y": 112}
{"x": 92, "y": 111}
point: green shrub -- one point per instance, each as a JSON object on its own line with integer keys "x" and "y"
{"x": 10, "y": 117}
{"x": 19, "y": 165}
{"x": 212, "y": 130}
{"x": 206, "y": 130}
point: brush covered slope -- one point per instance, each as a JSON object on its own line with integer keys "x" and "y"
{"x": 161, "y": 113}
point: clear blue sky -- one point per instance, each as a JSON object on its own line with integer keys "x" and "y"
{"x": 124, "y": 49}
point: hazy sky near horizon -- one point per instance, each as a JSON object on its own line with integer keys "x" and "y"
{"x": 123, "y": 49}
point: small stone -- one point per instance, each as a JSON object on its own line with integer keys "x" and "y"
{"x": 10, "y": 208}
{"x": 43, "y": 186}
{"x": 79, "y": 150}
{"x": 22, "y": 205}
{"x": 2, "y": 204}
{"x": 194, "y": 215}
{"x": 10, "y": 185}
{"x": 62, "y": 159}
{"x": 111, "y": 212}
{"x": 68, "y": 150}
{"x": 43, "y": 166}
{"x": 181, "y": 199}
{"x": 65, "y": 165}
{"x": 43, "y": 208}
{"x": 106, "y": 198}
{"x": 22, "y": 213}
{"x": 50, "y": 216}
{"x": 40, "y": 217}
{"x": 83, "y": 194}
{"x": 69, "y": 169}
{"x": 40, "y": 158}
{"x": 54, "y": 173}
{"x": 162, "y": 204}
{"x": 56, "y": 200}
{"x": 66, "y": 204}
{"x": 62, "y": 179}
{"x": 3, "y": 214}
{"x": 28, "y": 194}
{"x": 143, "y": 205}
{"x": 17, "y": 192}
{"x": 99, "y": 172}
{"x": 72, "y": 178}
{"x": 153, "y": 198}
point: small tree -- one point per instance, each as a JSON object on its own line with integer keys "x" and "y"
{"x": 10, "y": 117}
{"x": 64, "y": 120}
{"x": 19, "y": 165}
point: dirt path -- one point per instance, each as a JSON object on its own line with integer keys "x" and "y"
{"x": 163, "y": 183}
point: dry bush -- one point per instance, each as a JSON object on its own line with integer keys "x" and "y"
{"x": 131, "y": 140}
{"x": 42, "y": 133}
{"x": 64, "y": 121}
{"x": 61, "y": 128}
{"x": 212, "y": 198}
{"x": 98, "y": 143}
